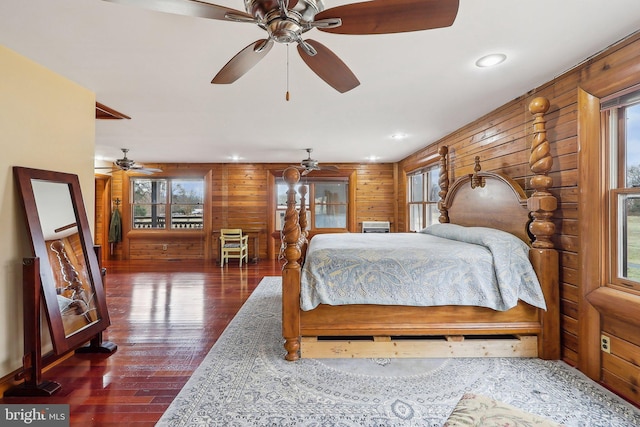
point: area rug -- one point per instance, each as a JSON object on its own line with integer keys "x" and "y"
{"x": 245, "y": 381}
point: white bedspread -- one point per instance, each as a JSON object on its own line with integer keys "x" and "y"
{"x": 444, "y": 264}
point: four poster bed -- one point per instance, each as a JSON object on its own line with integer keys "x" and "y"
{"x": 489, "y": 203}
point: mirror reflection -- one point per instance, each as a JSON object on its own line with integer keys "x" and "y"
{"x": 74, "y": 290}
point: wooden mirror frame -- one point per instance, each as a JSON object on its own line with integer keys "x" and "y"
{"x": 62, "y": 342}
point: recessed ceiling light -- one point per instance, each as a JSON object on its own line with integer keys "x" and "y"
{"x": 491, "y": 60}
{"x": 399, "y": 135}
{"x": 235, "y": 158}
{"x": 373, "y": 158}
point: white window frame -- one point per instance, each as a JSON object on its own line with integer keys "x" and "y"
{"x": 428, "y": 206}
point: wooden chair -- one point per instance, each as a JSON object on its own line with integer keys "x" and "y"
{"x": 233, "y": 244}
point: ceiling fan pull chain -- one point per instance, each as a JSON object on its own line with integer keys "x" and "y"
{"x": 287, "y": 94}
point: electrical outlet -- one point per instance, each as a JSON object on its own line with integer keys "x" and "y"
{"x": 605, "y": 344}
{"x": 164, "y": 247}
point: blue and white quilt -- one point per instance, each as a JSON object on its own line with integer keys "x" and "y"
{"x": 444, "y": 264}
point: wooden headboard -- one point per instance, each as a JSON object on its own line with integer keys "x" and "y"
{"x": 503, "y": 204}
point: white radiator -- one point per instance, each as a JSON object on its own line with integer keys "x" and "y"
{"x": 376, "y": 226}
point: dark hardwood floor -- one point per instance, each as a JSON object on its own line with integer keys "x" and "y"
{"x": 165, "y": 317}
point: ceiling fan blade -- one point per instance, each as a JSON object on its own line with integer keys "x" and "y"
{"x": 391, "y": 16}
{"x": 186, "y": 7}
{"x": 329, "y": 67}
{"x": 243, "y": 62}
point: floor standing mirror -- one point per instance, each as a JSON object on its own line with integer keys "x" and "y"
{"x": 64, "y": 271}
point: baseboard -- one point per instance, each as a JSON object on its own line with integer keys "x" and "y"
{"x": 9, "y": 380}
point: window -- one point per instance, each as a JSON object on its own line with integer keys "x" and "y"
{"x": 154, "y": 197}
{"x": 624, "y": 189}
{"x": 423, "y": 189}
{"x": 327, "y": 203}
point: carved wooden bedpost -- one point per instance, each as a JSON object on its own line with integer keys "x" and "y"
{"x": 543, "y": 256}
{"x": 541, "y": 203}
{"x": 291, "y": 270}
{"x": 303, "y": 211}
{"x": 302, "y": 220}
{"x": 443, "y": 181}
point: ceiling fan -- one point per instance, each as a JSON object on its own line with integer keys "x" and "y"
{"x": 308, "y": 165}
{"x": 286, "y": 20}
{"x": 126, "y": 164}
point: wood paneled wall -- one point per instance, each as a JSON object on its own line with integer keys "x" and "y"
{"x": 376, "y": 194}
{"x": 238, "y": 197}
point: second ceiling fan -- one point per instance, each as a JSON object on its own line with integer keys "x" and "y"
{"x": 126, "y": 164}
{"x": 286, "y": 20}
{"x": 309, "y": 165}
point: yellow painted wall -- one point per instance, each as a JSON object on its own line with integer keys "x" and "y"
{"x": 46, "y": 122}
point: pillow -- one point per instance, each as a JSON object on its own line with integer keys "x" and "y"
{"x": 481, "y": 411}
{"x": 477, "y": 235}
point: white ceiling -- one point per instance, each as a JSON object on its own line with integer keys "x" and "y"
{"x": 157, "y": 68}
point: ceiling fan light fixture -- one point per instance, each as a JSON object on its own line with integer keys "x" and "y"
{"x": 491, "y": 60}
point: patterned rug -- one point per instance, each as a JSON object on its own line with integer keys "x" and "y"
{"x": 244, "y": 381}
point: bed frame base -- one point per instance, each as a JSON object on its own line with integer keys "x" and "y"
{"x": 421, "y": 347}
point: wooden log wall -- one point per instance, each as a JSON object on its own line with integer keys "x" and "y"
{"x": 502, "y": 139}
